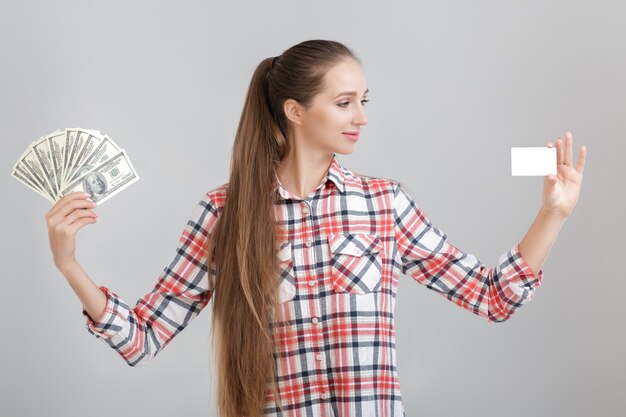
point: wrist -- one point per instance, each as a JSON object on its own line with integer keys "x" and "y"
{"x": 552, "y": 215}
{"x": 66, "y": 265}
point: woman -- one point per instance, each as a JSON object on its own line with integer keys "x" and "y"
{"x": 306, "y": 255}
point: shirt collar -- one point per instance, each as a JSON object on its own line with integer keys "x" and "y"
{"x": 335, "y": 174}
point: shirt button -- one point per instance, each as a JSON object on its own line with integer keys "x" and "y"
{"x": 318, "y": 356}
{"x": 357, "y": 251}
{"x": 305, "y": 210}
{"x": 311, "y": 283}
{"x": 315, "y": 320}
{"x": 324, "y": 395}
{"x": 307, "y": 244}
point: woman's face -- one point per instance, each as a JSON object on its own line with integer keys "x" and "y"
{"x": 337, "y": 110}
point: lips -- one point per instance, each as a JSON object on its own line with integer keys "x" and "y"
{"x": 352, "y": 135}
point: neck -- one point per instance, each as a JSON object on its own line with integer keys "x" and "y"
{"x": 301, "y": 172}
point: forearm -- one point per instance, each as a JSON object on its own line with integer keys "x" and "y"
{"x": 540, "y": 237}
{"x": 90, "y": 295}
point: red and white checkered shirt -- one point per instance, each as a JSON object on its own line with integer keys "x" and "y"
{"x": 341, "y": 251}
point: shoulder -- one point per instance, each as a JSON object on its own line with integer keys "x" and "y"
{"x": 357, "y": 180}
{"x": 397, "y": 193}
{"x": 210, "y": 203}
{"x": 217, "y": 195}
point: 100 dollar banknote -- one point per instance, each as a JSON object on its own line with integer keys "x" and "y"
{"x": 105, "y": 180}
{"x": 59, "y": 163}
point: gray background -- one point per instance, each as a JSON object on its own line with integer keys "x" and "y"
{"x": 454, "y": 85}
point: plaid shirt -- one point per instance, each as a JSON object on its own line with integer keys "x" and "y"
{"x": 341, "y": 252}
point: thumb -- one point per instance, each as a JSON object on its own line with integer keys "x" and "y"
{"x": 551, "y": 179}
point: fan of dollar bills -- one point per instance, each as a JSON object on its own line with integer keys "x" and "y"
{"x": 75, "y": 159}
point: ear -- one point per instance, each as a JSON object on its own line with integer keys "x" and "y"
{"x": 293, "y": 111}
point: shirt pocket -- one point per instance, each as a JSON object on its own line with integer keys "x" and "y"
{"x": 287, "y": 286}
{"x": 356, "y": 262}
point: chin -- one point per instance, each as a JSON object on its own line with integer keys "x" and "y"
{"x": 344, "y": 151}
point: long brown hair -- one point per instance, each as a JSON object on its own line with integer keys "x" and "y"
{"x": 243, "y": 245}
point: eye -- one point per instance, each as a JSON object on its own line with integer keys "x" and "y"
{"x": 345, "y": 103}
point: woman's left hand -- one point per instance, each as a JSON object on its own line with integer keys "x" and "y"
{"x": 560, "y": 191}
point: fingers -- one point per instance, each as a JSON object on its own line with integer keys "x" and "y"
{"x": 568, "y": 149}
{"x": 64, "y": 200}
{"x": 559, "y": 151}
{"x": 564, "y": 152}
{"x": 75, "y": 216}
{"x": 80, "y": 223}
{"x": 75, "y": 206}
{"x": 582, "y": 155}
{"x": 566, "y": 156}
{"x": 60, "y": 212}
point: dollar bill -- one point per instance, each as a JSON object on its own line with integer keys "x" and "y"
{"x": 85, "y": 143}
{"x": 105, "y": 180}
{"x": 75, "y": 159}
{"x": 70, "y": 136}
{"x": 41, "y": 150}
{"x": 25, "y": 179}
{"x": 56, "y": 145}
{"x": 97, "y": 150}
{"x": 29, "y": 163}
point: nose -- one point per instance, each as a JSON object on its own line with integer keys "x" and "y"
{"x": 360, "y": 117}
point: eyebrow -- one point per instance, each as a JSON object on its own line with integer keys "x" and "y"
{"x": 350, "y": 93}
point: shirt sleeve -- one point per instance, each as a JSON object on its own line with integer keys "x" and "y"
{"x": 180, "y": 293}
{"x": 428, "y": 257}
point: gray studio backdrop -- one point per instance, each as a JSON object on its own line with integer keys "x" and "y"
{"x": 454, "y": 85}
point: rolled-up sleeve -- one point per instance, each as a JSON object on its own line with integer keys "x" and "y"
{"x": 180, "y": 293}
{"x": 428, "y": 257}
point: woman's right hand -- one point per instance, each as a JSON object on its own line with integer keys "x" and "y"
{"x": 64, "y": 219}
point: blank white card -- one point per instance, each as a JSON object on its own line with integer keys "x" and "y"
{"x": 533, "y": 161}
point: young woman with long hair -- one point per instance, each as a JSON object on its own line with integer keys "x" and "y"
{"x": 305, "y": 255}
